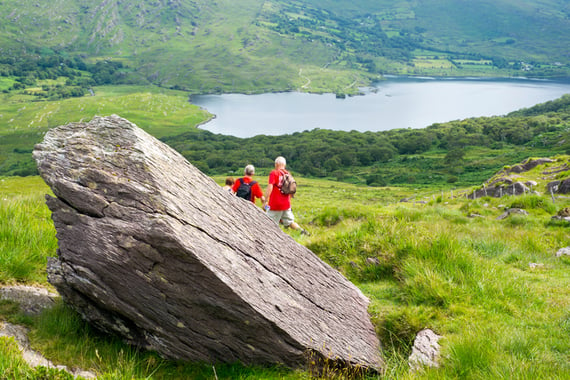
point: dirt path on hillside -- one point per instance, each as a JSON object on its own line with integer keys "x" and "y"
{"x": 304, "y": 77}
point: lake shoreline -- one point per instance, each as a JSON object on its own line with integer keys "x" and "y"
{"x": 393, "y": 77}
{"x": 393, "y": 103}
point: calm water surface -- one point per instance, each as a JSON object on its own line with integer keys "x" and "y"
{"x": 395, "y": 103}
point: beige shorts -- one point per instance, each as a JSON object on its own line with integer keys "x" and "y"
{"x": 285, "y": 216}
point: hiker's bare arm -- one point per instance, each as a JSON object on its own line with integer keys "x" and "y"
{"x": 267, "y": 193}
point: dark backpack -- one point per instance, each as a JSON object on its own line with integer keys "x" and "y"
{"x": 244, "y": 189}
{"x": 288, "y": 184}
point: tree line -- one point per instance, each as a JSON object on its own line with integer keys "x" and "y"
{"x": 326, "y": 153}
{"x": 29, "y": 68}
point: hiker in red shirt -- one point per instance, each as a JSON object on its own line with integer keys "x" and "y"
{"x": 246, "y": 187}
{"x": 279, "y": 203}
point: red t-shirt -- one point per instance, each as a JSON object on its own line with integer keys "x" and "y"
{"x": 256, "y": 191}
{"x": 277, "y": 200}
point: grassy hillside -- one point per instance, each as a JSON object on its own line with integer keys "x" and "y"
{"x": 429, "y": 264}
{"x": 276, "y": 45}
{"x": 159, "y": 111}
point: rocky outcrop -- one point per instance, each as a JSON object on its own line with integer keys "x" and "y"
{"x": 528, "y": 164}
{"x": 503, "y": 177}
{"x": 509, "y": 181}
{"x": 155, "y": 251}
{"x": 517, "y": 188}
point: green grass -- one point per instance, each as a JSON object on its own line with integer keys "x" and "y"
{"x": 159, "y": 111}
{"x": 421, "y": 265}
{"x": 12, "y": 366}
{"x": 6, "y": 83}
{"x": 27, "y": 235}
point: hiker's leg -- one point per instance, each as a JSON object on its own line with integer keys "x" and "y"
{"x": 274, "y": 215}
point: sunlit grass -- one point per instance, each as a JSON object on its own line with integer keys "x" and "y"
{"x": 27, "y": 235}
{"x": 159, "y": 111}
{"x": 431, "y": 264}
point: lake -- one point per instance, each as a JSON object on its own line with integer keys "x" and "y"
{"x": 391, "y": 104}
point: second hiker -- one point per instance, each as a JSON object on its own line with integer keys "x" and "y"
{"x": 246, "y": 187}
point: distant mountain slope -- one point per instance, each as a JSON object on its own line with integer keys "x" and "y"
{"x": 257, "y": 45}
{"x": 541, "y": 27}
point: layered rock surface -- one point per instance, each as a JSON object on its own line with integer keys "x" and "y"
{"x": 152, "y": 249}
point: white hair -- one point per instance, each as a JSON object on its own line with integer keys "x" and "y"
{"x": 249, "y": 170}
{"x": 280, "y": 161}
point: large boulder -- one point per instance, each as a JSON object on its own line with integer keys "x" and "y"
{"x": 152, "y": 249}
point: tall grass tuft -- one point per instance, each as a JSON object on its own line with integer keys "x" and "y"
{"x": 438, "y": 272}
{"x": 472, "y": 356}
{"x": 533, "y": 202}
{"x": 27, "y": 237}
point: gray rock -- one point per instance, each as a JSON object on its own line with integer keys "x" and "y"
{"x": 564, "y": 187}
{"x": 552, "y": 187}
{"x": 519, "y": 211}
{"x": 559, "y": 187}
{"x": 563, "y": 252}
{"x": 32, "y": 299}
{"x": 426, "y": 350}
{"x": 517, "y": 188}
{"x": 511, "y": 211}
{"x": 373, "y": 261}
{"x": 152, "y": 249}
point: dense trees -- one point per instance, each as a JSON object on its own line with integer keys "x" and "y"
{"x": 31, "y": 68}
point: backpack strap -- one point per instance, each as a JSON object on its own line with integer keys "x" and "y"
{"x": 282, "y": 173}
{"x": 250, "y": 184}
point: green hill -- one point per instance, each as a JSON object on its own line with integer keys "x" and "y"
{"x": 255, "y": 45}
{"x": 493, "y": 288}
